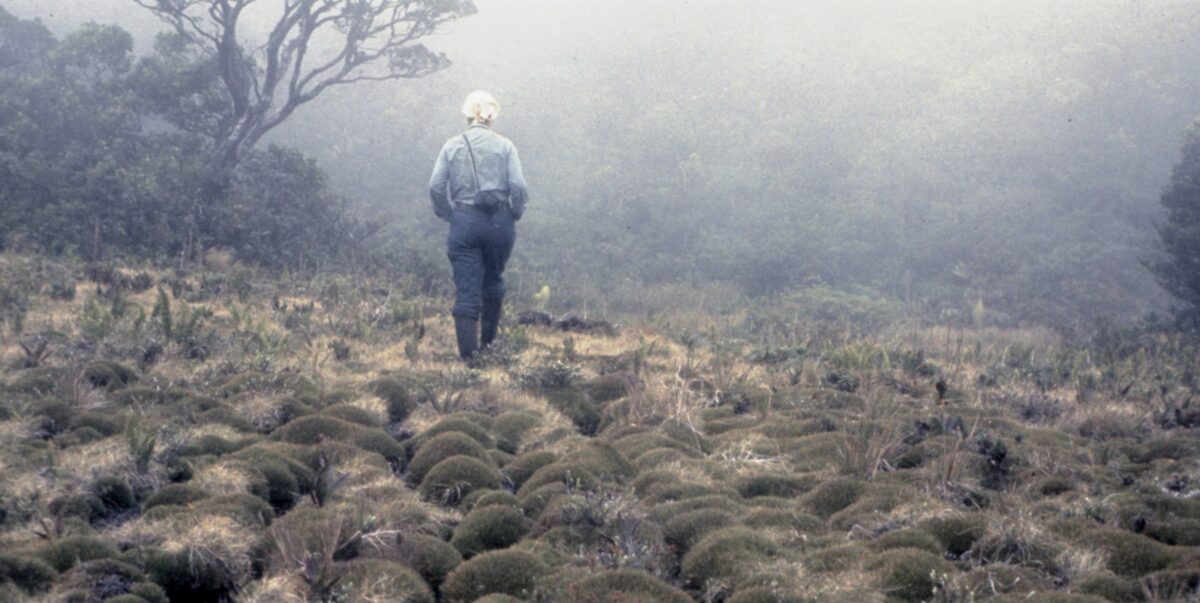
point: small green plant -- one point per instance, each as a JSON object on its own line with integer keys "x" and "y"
{"x": 141, "y": 446}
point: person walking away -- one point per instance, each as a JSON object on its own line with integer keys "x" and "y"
{"x": 477, "y": 186}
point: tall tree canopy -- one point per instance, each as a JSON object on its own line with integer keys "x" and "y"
{"x": 312, "y": 46}
{"x": 1179, "y": 270}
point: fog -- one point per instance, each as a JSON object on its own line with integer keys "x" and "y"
{"x": 931, "y": 154}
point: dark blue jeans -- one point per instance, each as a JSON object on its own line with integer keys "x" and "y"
{"x": 478, "y": 246}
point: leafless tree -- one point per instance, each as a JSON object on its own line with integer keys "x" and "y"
{"x": 312, "y": 46}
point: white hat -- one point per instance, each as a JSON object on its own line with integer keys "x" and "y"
{"x": 480, "y": 105}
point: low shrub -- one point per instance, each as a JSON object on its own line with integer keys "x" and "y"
{"x": 382, "y": 580}
{"x": 509, "y": 572}
{"x": 488, "y": 528}
{"x": 727, "y": 555}
{"x": 526, "y": 465}
{"x": 909, "y": 574}
{"x": 684, "y": 530}
{"x": 451, "y": 480}
{"x": 440, "y": 448}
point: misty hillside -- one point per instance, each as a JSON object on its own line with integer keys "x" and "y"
{"x": 811, "y": 301}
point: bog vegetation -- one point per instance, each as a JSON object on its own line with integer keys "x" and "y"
{"x": 216, "y": 384}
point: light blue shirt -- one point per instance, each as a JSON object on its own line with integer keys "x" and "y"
{"x": 498, "y": 165}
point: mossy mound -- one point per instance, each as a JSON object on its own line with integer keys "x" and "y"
{"x": 787, "y": 519}
{"x": 658, "y": 457}
{"x": 573, "y": 474}
{"x": 684, "y": 530}
{"x": 1130, "y": 555}
{"x": 525, "y": 465}
{"x": 1107, "y": 586}
{"x": 399, "y": 394}
{"x": 773, "y": 484}
{"x": 603, "y": 460}
{"x": 430, "y": 557}
{"x": 440, "y": 448}
{"x": 908, "y": 539}
{"x": 85, "y": 507}
{"x": 313, "y": 429}
{"x": 575, "y": 405}
{"x": 648, "y": 480}
{"x": 460, "y": 424}
{"x": 108, "y": 375}
{"x": 213, "y": 445}
{"x": 765, "y": 594}
{"x": 510, "y": 428}
{"x": 957, "y": 533}
{"x": 382, "y": 580}
{"x": 30, "y": 574}
{"x": 909, "y": 574}
{"x": 114, "y": 493}
{"x": 625, "y": 586}
{"x": 451, "y": 480}
{"x": 496, "y": 497}
{"x": 488, "y": 528}
{"x": 664, "y": 512}
{"x": 101, "y": 579}
{"x": 352, "y": 414}
{"x": 832, "y": 496}
{"x": 728, "y": 555}
{"x": 509, "y": 572}
{"x": 835, "y": 558}
{"x": 1185, "y": 532}
{"x": 65, "y": 553}
{"x": 534, "y": 502}
{"x": 635, "y": 445}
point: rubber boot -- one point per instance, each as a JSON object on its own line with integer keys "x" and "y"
{"x": 467, "y": 331}
{"x": 490, "y": 322}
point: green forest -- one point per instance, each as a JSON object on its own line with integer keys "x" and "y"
{"x": 812, "y": 301}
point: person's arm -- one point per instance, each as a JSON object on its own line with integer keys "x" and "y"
{"x": 518, "y": 194}
{"x": 438, "y": 184}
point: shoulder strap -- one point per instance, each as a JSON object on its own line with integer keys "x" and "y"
{"x": 471, "y": 154}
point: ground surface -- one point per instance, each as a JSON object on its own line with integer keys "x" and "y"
{"x": 217, "y": 435}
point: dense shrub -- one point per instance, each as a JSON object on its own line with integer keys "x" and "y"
{"x": 451, "y": 480}
{"x": 574, "y": 405}
{"x": 487, "y": 528}
{"x": 727, "y": 555}
{"x": 496, "y": 497}
{"x": 602, "y": 460}
{"x": 1130, "y": 555}
{"x": 109, "y": 375}
{"x": 785, "y": 519}
{"x": 909, "y": 574}
{"x": 1107, "y": 586}
{"x": 352, "y": 414}
{"x": 440, "y": 448}
{"x": 458, "y": 424}
{"x": 382, "y": 580}
{"x": 101, "y": 579}
{"x": 509, "y": 572}
{"x": 189, "y": 577}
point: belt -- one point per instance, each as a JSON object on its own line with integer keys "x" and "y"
{"x": 470, "y": 206}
